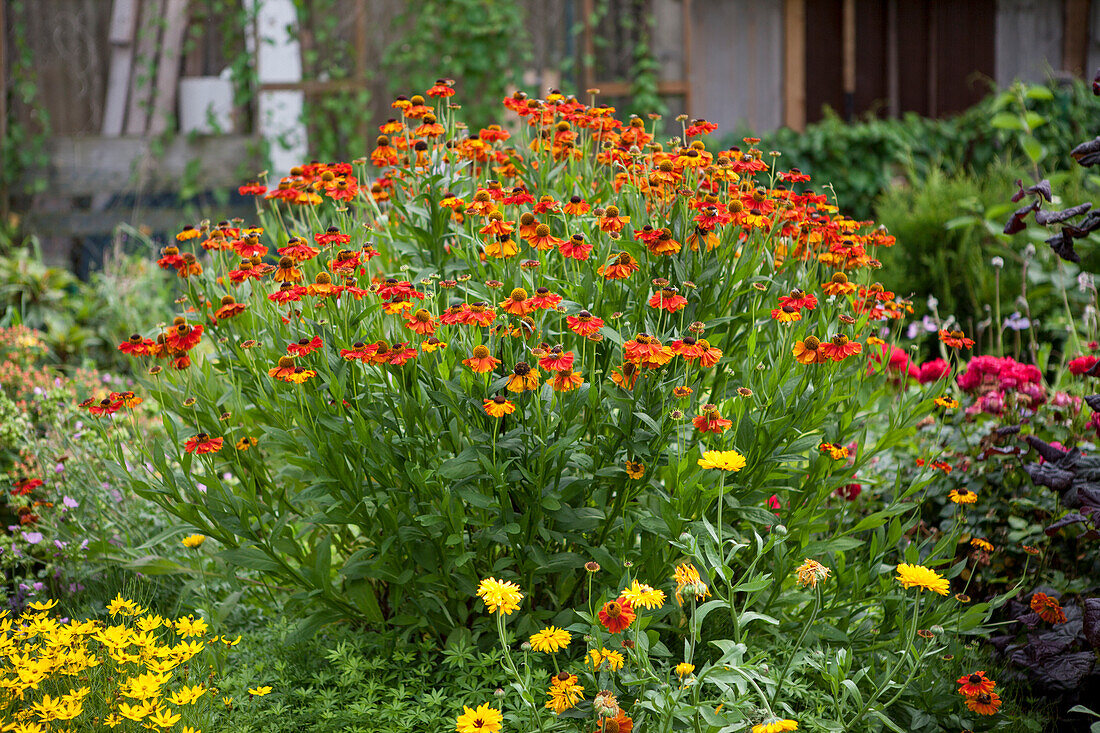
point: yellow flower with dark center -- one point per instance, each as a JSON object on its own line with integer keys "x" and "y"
{"x": 723, "y": 460}
{"x": 500, "y": 596}
{"x": 918, "y": 576}
{"x": 640, "y": 594}
{"x": 245, "y": 443}
{"x": 982, "y": 544}
{"x": 523, "y": 378}
{"x": 564, "y": 692}
{"x": 946, "y": 403}
{"x": 550, "y": 640}
{"x": 482, "y": 719}
{"x": 635, "y": 470}
{"x": 962, "y": 496}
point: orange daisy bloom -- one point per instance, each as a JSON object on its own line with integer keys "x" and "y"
{"x": 1049, "y": 609}
{"x": 584, "y": 323}
{"x": 517, "y": 303}
{"x": 421, "y": 322}
{"x": 499, "y": 406}
{"x": 203, "y": 443}
{"x": 616, "y": 615}
{"x": 710, "y": 421}
{"x": 839, "y": 348}
{"x": 985, "y": 703}
{"x": 956, "y": 339}
{"x": 619, "y": 267}
{"x": 809, "y": 351}
{"x": 975, "y": 683}
{"x": 481, "y": 361}
{"x": 523, "y": 378}
{"x": 567, "y": 380}
{"x": 625, "y": 376}
{"x": 667, "y": 299}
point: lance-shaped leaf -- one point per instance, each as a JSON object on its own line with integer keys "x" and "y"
{"x": 1087, "y": 153}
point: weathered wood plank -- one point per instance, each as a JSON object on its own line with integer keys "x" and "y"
{"x": 123, "y": 26}
{"x": 794, "y": 64}
{"x": 168, "y": 66}
{"x": 144, "y": 72}
{"x": 92, "y": 223}
{"x": 1028, "y": 40}
{"x": 86, "y": 166}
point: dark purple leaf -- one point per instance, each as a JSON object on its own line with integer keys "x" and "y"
{"x": 1093, "y": 400}
{"x": 1066, "y": 671}
{"x": 1046, "y": 450}
{"x": 1090, "y": 621}
{"x": 1016, "y": 223}
{"x": 1062, "y": 245}
{"x": 1044, "y": 216}
{"x": 1071, "y": 518}
{"x": 1087, "y": 153}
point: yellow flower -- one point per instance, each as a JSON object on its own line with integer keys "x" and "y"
{"x": 193, "y": 540}
{"x": 483, "y": 719}
{"x": 917, "y": 576}
{"x": 189, "y": 729}
{"x": 135, "y": 712}
{"x": 42, "y": 605}
{"x": 775, "y": 725}
{"x": 811, "y": 572}
{"x": 640, "y": 594}
{"x": 962, "y": 496}
{"x": 164, "y": 718}
{"x": 635, "y": 470}
{"x": 982, "y": 544}
{"x": 946, "y": 402}
{"x": 596, "y": 657}
{"x": 191, "y": 627}
{"x": 724, "y": 460}
{"x": 259, "y": 691}
{"x": 683, "y": 669}
{"x": 549, "y": 640}
{"x": 122, "y": 606}
{"x": 688, "y": 580}
{"x": 500, "y": 596}
{"x": 564, "y": 692}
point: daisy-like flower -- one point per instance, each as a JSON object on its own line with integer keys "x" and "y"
{"x": 840, "y": 347}
{"x": 688, "y": 581}
{"x": 982, "y": 544}
{"x": 500, "y": 596}
{"x": 918, "y": 576}
{"x": 598, "y": 657}
{"x": 775, "y": 725}
{"x": 481, "y": 361}
{"x": 564, "y": 692}
{"x": 193, "y": 540}
{"x": 550, "y": 640}
{"x": 616, "y": 615}
{"x": 229, "y": 307}
{"x": 203, "y": 443}
{"x": 567, "y": 380}
{"x": 499, "y": 406}
{"x": 787, "y": 314}
{"x": 625, "y": 376}
{"x": 975, "y": 683}
{"x": 667, "y": 299}
{"x": 584, "y": 324}
{"x": 644, "y": 596}
{"x": 962, "y": 496}
{"x": 946, "y": 403}
{"x": 723, "y": 460}
{"x": 811, "y": 572}
{"x": 838, "y": 285}
{"x": 710, "y": 421}
{"x": 683, "y": 669}
{"x": 523, "y": 378}
{"x": 634, "y": 469}
{"x": 809, "y": 351}
{"x": 956, "y": 339}
{"x": 482, "y": 719}
{"x": 984, "y": 703}
{"x": 619, "y": 267}
{"x": 1049, "y": 609}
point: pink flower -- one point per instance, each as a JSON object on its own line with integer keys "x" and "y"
{"x": 1082, "y": 364}
{"x": 931, "y": 371}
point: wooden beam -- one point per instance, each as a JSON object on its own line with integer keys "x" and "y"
{"x": 1075, "y": 37}
{"x": 85, "y": 166}
{"x": 794, "y": 64}
{"x": 848, "y": 41}
{"x": 168, "y": 66}
{"x": 673, "y": 87}
{"x": 588, "y": 60}
{"x": 124, "y": 15}
{"x": 688, "y": 97}
{"x": 362, "y": 26}
{"x": 93, "y": 223}
{"x": 3, "y": 99}
{"x": 145, "y": 64}
{"x": 893, "y": 60}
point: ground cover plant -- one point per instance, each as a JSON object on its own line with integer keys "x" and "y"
{"x": 561, "y": 347}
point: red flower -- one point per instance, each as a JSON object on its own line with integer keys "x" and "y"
{"x": 932, "y": 371}
{"x": 1048, "y": 608}
{"x": 305, "y": 347}
{"x": 584, "y": 323}
{"x": 667, "y": 299}
{"x": 710, "y": 421}
{"x": 1082, "y": 364}
{"x": 975, "y": 684}
{"x": 203, "y": 443}
{"x": 136, "y": 345}
{"x": 616, "y": 615}
{"x": 26, "y": 486}
{"x": 252, "y": 189}
{"x": 956, "y": 339}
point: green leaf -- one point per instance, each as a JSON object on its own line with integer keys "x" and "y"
{"x": 1007, "y": 121}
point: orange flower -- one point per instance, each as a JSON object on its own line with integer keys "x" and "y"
{"x": 584, "y": 323}
{"x": 1049, "y": 609}
{"x": 523, "y": 378}
{"x": 481, "y": 361}
{"x": 499, "y": 406}
{"x": 557, "y": 360}
{"x": 616, "y": 615}
{"x": 809, "y": 351}
{"x": 956, "y": 339}
{"x": 839, "y": 348}
{"x": 667, "y": 299}
{"x": 620, "y": 267}
{"x": 203, "y": 443}
{"x": 838, "y": 285}
{"x": 567, "y": 380}
{"x": 542, "y": 240}
{"x": 647, "y": 351}
{"x": 421, "y": 322}
{"x": 229, "y": 308}
{"x": 710, "y": 421}
{"x": 985, "y": 703}
{"x": 975, "y": 683}
{"x": 517, "y": 303}
{"x": 625, "y": 376}
{"x": 787, "y": 314}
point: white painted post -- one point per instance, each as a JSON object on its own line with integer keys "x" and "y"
{"x": 279, "y": 61}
